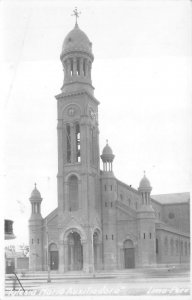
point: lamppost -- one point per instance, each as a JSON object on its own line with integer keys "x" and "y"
{"x": 48, "y": 256}
{"x": 92, "y": 240}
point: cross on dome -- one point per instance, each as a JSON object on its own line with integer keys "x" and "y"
{"x": 76, "y": 13}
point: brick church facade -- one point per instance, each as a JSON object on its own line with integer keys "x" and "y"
{"x": 100, "y": 222}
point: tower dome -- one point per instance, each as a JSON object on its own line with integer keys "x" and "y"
{"x": 35, "y": 195}
{"x": 77, "y": 58}
{"x": 144, "y": 183}
{"x": 76, "y": 40}
{"x": 107, "y": 154}
{"x": 145, "y": 190}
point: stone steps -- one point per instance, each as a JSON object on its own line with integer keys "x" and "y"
{"x": 30, "y": 283}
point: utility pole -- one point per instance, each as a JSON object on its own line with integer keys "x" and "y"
{"x": 93, "y": 256}
{"x": 48, "y": 256}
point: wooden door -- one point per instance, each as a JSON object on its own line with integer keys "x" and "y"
{"x": 129, "y": 257}
{"x": 54, "y": 260}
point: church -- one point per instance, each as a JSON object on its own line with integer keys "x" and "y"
{"x": 100, "y": 223}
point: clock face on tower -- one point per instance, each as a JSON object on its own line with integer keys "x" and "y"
{"x": 92, "y": 114}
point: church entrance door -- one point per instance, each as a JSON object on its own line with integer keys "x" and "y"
{"x": 54, "y": 257}
{"x": 129, "y": 255}
{"x": 75, "y": 252}
{"x": 54, "y": 260}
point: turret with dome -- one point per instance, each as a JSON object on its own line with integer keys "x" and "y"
{"x": 35, "y": 231}
{"x": 77, "y": 58}
{"x": 145, "y": 190}
{"x": 107, "y": 158}
{"x": 145, "y": 183}
{"x": 76, "y": 40}
{"x": 35, "y": 200}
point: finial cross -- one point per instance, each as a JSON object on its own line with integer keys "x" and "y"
{"x": 35, "y": 185}
{"x": 76, "y": 13}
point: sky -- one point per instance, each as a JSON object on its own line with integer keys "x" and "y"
{"x": 142, "y": 79}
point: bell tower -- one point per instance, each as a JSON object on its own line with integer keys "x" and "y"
{"x": 78, "y": 143}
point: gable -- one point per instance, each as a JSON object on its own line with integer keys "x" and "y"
{"x": 53, "y": 221}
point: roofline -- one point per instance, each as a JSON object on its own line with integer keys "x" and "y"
{"x": 156, "y": 201}
{"x": 128, "y": 186}
{"x": 172, "y": 194}
{"x": 174, "y": 203}
{"x": 50, "y": 214}
{"x": 167, "y": 227}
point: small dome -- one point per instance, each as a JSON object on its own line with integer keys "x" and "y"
{"x": 107, "y": 150}
{"x": 107, "y": 154}
{"x": 144, "y": 183}
{"x": 35, "y": 194}
{"x": 76, "y": 40}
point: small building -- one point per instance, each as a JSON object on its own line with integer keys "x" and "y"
{"x": 16, "y": 261}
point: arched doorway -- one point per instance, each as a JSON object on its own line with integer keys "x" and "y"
{"x": 129, "y": 254}
{"x": 54, "y": 257}
{"x": 75, "y": 252}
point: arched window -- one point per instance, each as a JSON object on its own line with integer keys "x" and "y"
{"x": 73, "y": 193}
{"x": 78, "y": 143}
{"x": 78, "y": 66}
{"x": 172, "y": 246}
{"x": 181, "y": 247}
{"x": 157, "y": 246}
{"x": 92, "y": 146}
{"x": 186, "y": 248}
{"x": 166, "y": 245}
{"x": 84, "y": 67}
{"x": 68, "y": 135}
{"x": 71, "y": 66}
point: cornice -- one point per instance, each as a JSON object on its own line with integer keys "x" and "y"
{"x": 76, "y": 93}
{"x": 165, "y": 227}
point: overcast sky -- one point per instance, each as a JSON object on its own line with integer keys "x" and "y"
{"x": 142, "y": 78}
